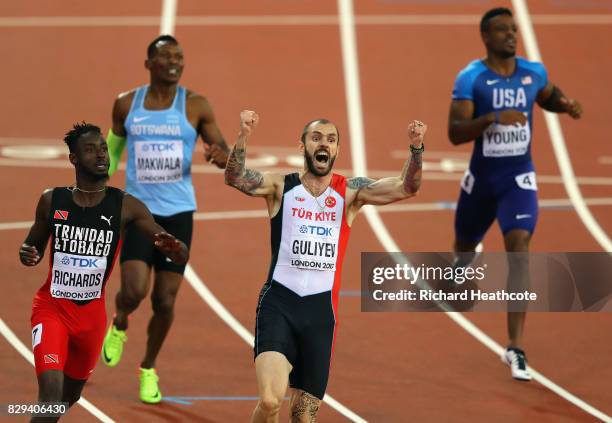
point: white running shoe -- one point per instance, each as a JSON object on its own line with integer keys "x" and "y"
{"x": 515, "y": 358}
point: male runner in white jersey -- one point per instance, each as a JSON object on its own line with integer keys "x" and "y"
{"x": 310, "y": 216}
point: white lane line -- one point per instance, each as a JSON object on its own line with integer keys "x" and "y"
{"x": 16, "y": 343}
{"x": 392, "y": 208}
{"x": 279, "y": 20}
{"x": 358, "y": 150}
{"x": 202, "y": 290}
{"x": 206, "y": 169}
{"x": 168, "y": 17}
{"x": 556, "y": 135}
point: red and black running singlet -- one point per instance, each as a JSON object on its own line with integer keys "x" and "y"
{"x": 84, "y": 245}
{"x": 309, "y": 237}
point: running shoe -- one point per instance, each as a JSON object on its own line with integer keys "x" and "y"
{"x": 517, "y": 361}
{"x": 149, "y": 391}
{"x": 113, "y": 346}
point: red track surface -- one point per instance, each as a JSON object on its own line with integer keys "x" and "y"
{"x": 387, "y": 367}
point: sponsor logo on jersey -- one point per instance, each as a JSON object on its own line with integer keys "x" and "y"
{"x": 526, "y": 80}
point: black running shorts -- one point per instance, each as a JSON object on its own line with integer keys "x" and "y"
{"x": 300, "y": 328}
{"x": 136, "y": 246}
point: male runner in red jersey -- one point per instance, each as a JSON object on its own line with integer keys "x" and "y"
{"x": 85, "y": 223}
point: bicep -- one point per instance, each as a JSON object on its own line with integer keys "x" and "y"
{"x": 121, "y": 109}
{"x": 258, "y": 184}
{"x": 382, "y": 191}
{"x": 460, "y": 110}
{"x": 370, "y": 191}
{"x": 39, "y": 232}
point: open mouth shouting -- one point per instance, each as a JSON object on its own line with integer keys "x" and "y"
{"x": 321, "y": 158}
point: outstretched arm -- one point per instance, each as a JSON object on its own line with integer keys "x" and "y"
{"x": 137, "y": 213}
{"x": 551, "y": 98}
{"x": 33, "y": 248}
{"x": 388, "y": 190}
{"x": 249, "y": 181}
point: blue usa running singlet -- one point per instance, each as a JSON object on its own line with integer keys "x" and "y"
{"x": 501, "y": 146}
{"x": 160, "y": 148}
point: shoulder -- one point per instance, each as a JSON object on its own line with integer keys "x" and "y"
{"x": 193, "y": 97}
{"x": 130, "y": 202}
{"x": 45, "y": 200}
{"x": 126, "y": 97}
{"x": 466, "y": 78}
{"x": 535, "y": 67}
{"x": 123, "y": 102}
{"x": 197, "y": 102}
{"x": 472, "y": 70}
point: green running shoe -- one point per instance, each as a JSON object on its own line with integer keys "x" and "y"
{"x": 113, "y": 346}
{"x": 149, "y": 391}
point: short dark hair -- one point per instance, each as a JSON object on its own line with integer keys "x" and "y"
{"x": 484, "y": 22}
{"x": 324, "y": 122}
{"x": 79, "y": 129}
{"x": 152, "y": 48}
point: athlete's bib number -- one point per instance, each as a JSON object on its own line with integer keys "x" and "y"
{"x": 37, "y": 335}
{"x": 505, "y": 140}
{"x": 77, "y": 277}
{"x": 159, "y": 162}
{"x": 527, "y": 181}
{"x": 314, "y": 247}
{"x": 467, "y": 182}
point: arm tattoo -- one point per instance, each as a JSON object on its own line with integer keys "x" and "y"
{"x": 411, "y": 174}
{"x": 359, "y": 182}
{"x": 236, "y": 175}
{"x": 305, "y": 408}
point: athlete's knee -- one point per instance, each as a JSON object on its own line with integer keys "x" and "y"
{"x": 517, "y": 240}
{"x": 129, "y": 299}
{"x": 163, "y": 304}
{"x": 50, "y": 386}
{"x": 270, "y": 404}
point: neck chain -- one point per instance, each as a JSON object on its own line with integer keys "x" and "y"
{"x": 321, "y": 207}
{"x": 76, "y": 188}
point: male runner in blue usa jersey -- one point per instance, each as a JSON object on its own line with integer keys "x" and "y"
{"x": 492, "y": 103}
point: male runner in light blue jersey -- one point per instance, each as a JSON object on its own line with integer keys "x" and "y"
{"x": 160, "y": 124}
{"x": 492, "y": 103}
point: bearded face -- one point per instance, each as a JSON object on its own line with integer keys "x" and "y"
{"x": 320, "y": 148}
